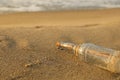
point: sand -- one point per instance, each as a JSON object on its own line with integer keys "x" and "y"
{"x": 27, "y": 44}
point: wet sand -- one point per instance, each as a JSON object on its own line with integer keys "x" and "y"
{"x": 27, "y": 44}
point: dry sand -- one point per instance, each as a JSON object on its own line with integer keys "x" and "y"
{"x": 27, "y": 44}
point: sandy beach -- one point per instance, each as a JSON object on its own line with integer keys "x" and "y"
{"x": 27, "y": 44}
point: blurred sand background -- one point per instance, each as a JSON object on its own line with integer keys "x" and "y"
{"x": 27, "y": 44}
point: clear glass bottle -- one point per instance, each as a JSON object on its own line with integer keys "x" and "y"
{"x": 104, "y": 58}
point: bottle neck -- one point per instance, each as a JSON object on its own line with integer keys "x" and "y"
{"x": 66, "y": 45}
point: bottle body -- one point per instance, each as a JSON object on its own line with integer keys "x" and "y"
{"x": 99, "y": 56}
